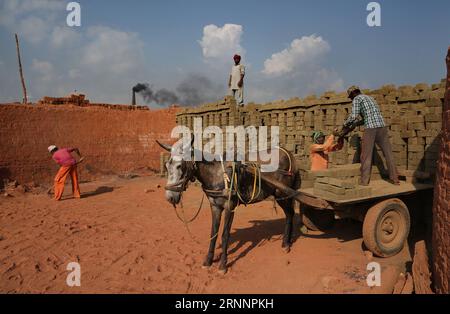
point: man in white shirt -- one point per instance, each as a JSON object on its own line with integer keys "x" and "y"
{"x": 236, "y": 81}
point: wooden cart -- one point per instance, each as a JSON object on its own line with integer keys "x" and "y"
{"x": 385, "y": 216}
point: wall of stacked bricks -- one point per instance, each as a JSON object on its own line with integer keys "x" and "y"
{"x": 441, "y": 208}
{"x": 413, "y": 114}
{"x": 116, "y": 139}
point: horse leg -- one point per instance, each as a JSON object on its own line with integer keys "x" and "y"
{"x": 288, "y": 208}
{"x": 229, "y": 215}
{"x": 216, "y": 213}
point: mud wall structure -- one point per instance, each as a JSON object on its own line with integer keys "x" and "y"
{"x": 413, "y": 114}
{"x": 441, "y": 208}
{"x": 116, "y": 139}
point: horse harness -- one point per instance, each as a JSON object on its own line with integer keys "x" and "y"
{"x": 188, "y": 169}
{"x": 231, "y": 175}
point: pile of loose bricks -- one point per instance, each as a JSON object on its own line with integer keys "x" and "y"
{"x": 340, "y": 182}
{"x": 73, "y": 99}
{"x": 413, "y": 114}
{"x": 81, "y": 101}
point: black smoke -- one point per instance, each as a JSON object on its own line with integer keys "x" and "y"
{"x": 194, "y": 90}
{"x": 160, "y": 97}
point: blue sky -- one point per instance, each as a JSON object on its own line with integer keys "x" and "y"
{"x": 327, "y": 45}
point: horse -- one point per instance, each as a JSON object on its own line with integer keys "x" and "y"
{"x": 211, "y": 176}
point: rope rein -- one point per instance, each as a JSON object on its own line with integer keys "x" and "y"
{"x": 187, "y": 222}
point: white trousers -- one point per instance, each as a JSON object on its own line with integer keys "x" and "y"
{"x": 238, "y": 94}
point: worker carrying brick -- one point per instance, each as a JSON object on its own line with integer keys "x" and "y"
{"x": 68, "y": 164}
{"x": 236, "y": 80}
{"x": 321, "y": 148}
{"x": 375, "y": 131}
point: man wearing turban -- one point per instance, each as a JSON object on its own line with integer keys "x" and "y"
{"x": 236, "y": 80}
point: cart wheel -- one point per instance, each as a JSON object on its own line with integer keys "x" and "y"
{"x": 317, "y": 219}
{"x": 386, "y": 227}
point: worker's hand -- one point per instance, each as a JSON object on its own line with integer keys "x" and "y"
{"x": 240, "y": 83}
{"x": 336, "y": 132}
{"x": 81, "y": 160}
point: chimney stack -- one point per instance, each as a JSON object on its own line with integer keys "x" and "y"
{"x": 133, "y": 99}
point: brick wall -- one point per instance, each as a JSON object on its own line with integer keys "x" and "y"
{"x": 441, "y": 208}
{"x": 114, "y": 139}
{"x": 413, "y": 113}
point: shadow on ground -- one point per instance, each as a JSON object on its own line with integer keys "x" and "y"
{"x": 343, "y": 229}
{"x": 262, "y": 231}
{"x": 257, "y": 234}
{"x": 98, "y": 191}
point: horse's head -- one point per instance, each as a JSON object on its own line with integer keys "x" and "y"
{"x": 179, "y": 171}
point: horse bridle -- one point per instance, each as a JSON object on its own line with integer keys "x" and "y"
{"x": 188, "y": 168}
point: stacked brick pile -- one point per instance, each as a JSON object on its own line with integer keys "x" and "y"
{"x": 339, "y": 183}
{"x": 415, "y": 121}
{"x": 74, "y": 99}
{"x": 119, "y": 107}
{"x": 80, "y": 100}
{"x": 413, "y": 114}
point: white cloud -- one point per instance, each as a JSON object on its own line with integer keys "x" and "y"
{"x": 43, "y": 78}
{"x": 74, "y": 73}
{"x": 63, "y": 36}
{"x": 42, "y": 67}
{"x": 302, "y": 52}
{"x": 325, "y": 79}
{"x": 31, "y": 19}
{"x": 296, "y": 71}
{"x": 100, "y": 61}
{"x": 219, "y": 44}
{"x": 34, "y": 29}
{"x": 112, "y": 51}
{"x": 23, "y": 6}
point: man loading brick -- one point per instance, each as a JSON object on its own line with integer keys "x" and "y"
{"x": 68, "y": 164}
{"x": 321, "y": 148}
{"x": 375, "y": 131}
{"x": 236, "y": 80}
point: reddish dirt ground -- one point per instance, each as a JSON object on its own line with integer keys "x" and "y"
{"x": 127, "y": 239}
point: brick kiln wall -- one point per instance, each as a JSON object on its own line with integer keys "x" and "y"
{"x": 441, "y": 208}
{"x": 114, "y": 139}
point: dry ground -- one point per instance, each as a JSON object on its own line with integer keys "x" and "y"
{"x": 128, "y": 239}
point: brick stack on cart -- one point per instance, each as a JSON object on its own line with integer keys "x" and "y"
{"x": 413, "y": 114}
{"x": 340, "y": 182}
